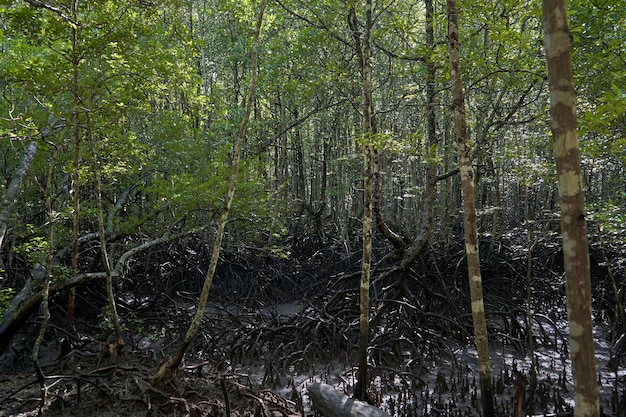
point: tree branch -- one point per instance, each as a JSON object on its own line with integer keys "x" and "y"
{"x": 17, "y": 315}
{"x": 41, "y": 5}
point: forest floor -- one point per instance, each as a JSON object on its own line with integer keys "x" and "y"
{"x": 276, "y": 324}
{"x": 88, "y": 382}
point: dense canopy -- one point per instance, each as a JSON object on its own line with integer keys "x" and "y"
{"x": 118, "y": 126}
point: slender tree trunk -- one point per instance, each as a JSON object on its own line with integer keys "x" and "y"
{"x": 468, "y": 190}
{"x": 360, "y": 391}
{"x": 6, "y": 207}
{"x": 381, "y": 225}
{"x": 426, "y": 227}
{"x": 432, "y": 143}
{"x": 300, "y": 184}
{"x": 564, "y": 126}
{"x": 115, "y": 346}
{"x": 431, "y": 122}
{"x": 71, "y": 301}
{"x": 168, "y": 369}
{"x": 529, "y": 299}
{"x": 46, "y": 287}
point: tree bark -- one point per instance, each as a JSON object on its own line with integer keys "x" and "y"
{"x": 431, "y": 122}
{"x": 468, "y": 191}
{"x": 425, "y": 232}
{"x": 168, "y": 369}
{"x": 8, "y": 202}
{"x": 564, "y": 125}
{"x": 360, "y": 390}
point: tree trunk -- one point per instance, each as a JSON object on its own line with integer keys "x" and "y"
{"x": 564, "y": 126}
{"x": 360, "y": 390}
{"x": 71, "y": 301}
{"x": 6, "y": 209}
{"x": 115, "y": 346}
{"x": 45, "y": 313}
{"x": 468, "y": 190}
{"x": 168, "y": 369}
{"x": 420, "y": 244}
{"x": 431, "y": 123}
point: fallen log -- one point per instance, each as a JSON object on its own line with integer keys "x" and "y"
{"x": 332, "y": 403}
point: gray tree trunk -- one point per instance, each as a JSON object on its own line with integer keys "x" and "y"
{"x": 10, "y": 197}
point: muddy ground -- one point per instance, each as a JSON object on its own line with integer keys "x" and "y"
{"x": 236, "y": 366}
{"x": 275, "y": 324}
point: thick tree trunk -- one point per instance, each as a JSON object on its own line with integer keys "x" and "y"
{"x": 564, "y": 126}
{"x": 468, "y": 190}
{"x": 168, "y": 369}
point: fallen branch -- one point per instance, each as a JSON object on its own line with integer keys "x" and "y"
{"x": 332, "y": 403}
{"x": 18, "y": 313}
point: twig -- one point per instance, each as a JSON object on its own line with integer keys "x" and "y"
{"x": 226, "y": 396}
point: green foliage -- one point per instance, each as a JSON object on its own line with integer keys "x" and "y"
{"x": 377, "y": 141}
{"x": 33, "y": 250}
{"x": 598, "y": 56}
{"x": 608, "y": 114}
{"x": 6, "y": 295}
{"x": 106, "y": 322}
{"x": 610, "y": 217}
{"x": 161, "y": 90}
{"x": 607, "y": 228}
{"x": 279, "y": 252}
